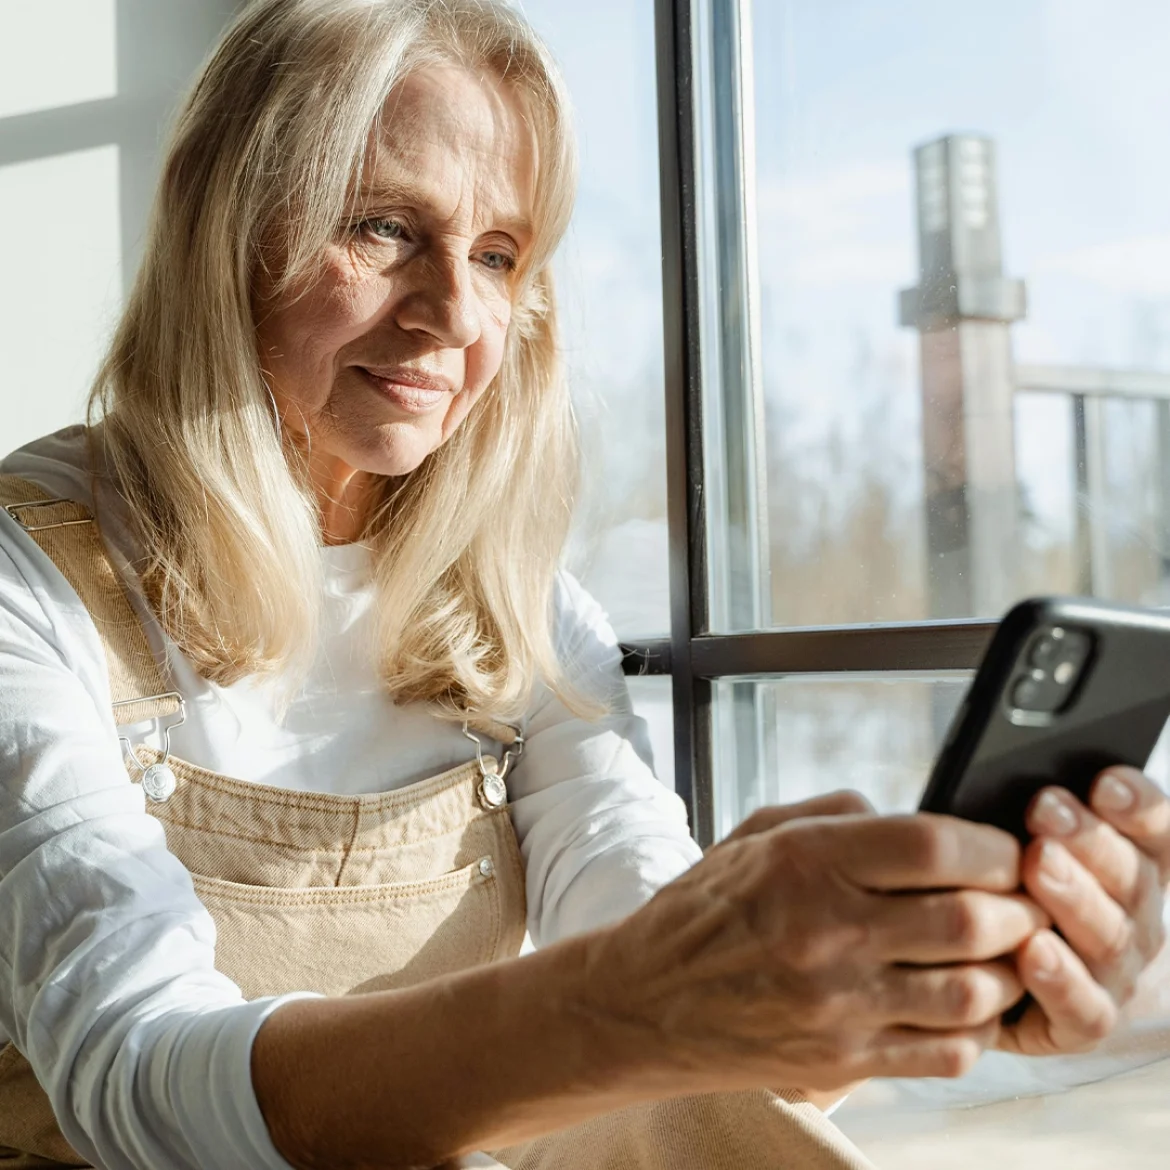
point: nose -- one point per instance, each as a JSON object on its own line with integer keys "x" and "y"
{"x": 442, "y": 302}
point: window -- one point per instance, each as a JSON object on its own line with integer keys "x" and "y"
{"x": 609, "y": 275}
{"x": 915, "y": 323}
{"x": 963, "y": 322}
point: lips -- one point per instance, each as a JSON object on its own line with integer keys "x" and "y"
{"x": 411, "y": 390}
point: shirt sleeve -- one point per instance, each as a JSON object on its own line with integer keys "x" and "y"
{"x": 600, "y": 834}
{"x": 107, "y": 976}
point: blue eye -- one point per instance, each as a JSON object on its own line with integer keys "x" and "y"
{"x": 499, "y": 261}
{"x": 384, "y": 229}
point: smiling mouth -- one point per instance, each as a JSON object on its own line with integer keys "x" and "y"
{"x": 409, "y": 390}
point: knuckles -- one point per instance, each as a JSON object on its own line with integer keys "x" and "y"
{"x": 966, "y": 925}
{"x": 929, "y": 843}
{"x": 1120, "y": 949}
{"x": 971, "y": 1000}
{"x": 956, "y": 1058}
{"x": 846, "y": 802}
{"x": 1099, "y": 1026}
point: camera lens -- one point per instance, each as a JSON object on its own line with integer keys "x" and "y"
{"x": 1026, "y": 693}
{"x": 1048, "y": 648}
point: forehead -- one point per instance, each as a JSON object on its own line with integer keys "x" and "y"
{"x": 458, "y": 144}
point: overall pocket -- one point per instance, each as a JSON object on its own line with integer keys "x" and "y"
{"x": 337, "y": 940}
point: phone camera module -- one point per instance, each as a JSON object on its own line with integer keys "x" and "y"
{"x": 1048, "y": 649}
{"x": 1049, "y": 671}
{"x": 1029, "y": 693}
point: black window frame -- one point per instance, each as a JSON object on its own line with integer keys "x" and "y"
{"x": 694, "y": 656}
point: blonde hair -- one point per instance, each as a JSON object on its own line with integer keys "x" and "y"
{"x": 264, "y": 161}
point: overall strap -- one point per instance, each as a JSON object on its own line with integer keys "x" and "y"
{"x": 69, "y": 537}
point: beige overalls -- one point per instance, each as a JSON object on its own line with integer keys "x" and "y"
{"x": 347, "y": 894}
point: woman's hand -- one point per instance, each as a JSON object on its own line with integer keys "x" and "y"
{"x": 817, "y": 946}
{"x": 1101, "y": 875}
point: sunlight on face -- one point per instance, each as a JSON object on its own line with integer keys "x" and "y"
{"x": 380, "y": 357}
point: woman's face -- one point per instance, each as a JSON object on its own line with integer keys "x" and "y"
{"x": 380, "y": 355}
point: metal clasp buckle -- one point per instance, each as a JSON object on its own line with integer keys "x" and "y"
{"x": 158, "y": 779}
{"x": 492, "y": 791}
{"x": 12, "y": 509}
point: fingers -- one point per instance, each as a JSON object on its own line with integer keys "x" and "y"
{"x": 1072, "y": 1012}
{"x": 1126, "y": 874}
{"x": 925, "y": 851}
{"x": 950, "y": 997}
{"x": 910, "y": 1052}
{"x": 951, "y": 927}
{"x": 1094, "y": 925}
{"x": 1102, "y": 891}
{"x": 1138, "y": 809}
{"x": 831, "y": 804}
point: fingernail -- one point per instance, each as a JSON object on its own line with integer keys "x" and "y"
{"x": 1044, "y": 957}
{"x": 1113, "y": 793}
{"x": 1053, "y": 814}
{"x": 1054, "y": 864}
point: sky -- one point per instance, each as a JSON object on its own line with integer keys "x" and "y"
{"x": 1074, "y": 94}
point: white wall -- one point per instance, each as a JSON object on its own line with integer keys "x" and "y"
{"x": 86, "y": 89}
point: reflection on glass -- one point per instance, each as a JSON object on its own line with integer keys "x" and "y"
{"x": 965, "y": 307}
{"x": 879, "y": 736}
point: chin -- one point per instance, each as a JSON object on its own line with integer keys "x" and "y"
{"x": 399, "y": 457}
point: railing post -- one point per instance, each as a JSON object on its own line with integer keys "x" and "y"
{"x": 1094, "y": 571}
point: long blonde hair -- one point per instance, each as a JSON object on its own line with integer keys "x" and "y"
{"x": 263, "y": 161}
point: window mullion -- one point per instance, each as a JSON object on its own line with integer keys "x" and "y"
{"x": 676, "y": 72}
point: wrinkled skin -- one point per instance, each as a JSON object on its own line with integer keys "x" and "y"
{"x": 424, "y": 281}
{"x": 821, "y": 944}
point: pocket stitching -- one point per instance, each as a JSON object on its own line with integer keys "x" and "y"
{"x": 286, "y": 896}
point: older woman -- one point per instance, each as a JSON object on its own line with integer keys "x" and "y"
{"x": 293, "y": 704}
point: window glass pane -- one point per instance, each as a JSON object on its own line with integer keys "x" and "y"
{"x": 62, "y": 287}
{"x": 610, "y": 296}
{"x": 879, "y": 735}
{"x": 55, "y": 53}
{"x": 822, "y": 733}
{"x": 652, "y": 701}
{"x": 964, "y": 306}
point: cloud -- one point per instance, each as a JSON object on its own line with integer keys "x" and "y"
{"x": 851, "y": 226}
{"x": 850, "y": 264}
{"x": 822, "y": 206}
{"x": 1138, "y": 266}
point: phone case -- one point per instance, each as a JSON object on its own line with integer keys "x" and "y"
{"x": 992, "y": 763}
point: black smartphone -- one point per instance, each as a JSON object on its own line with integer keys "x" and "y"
{"x": 1067, "y": 687}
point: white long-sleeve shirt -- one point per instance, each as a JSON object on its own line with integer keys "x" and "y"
{"x": 107, "y": 958}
